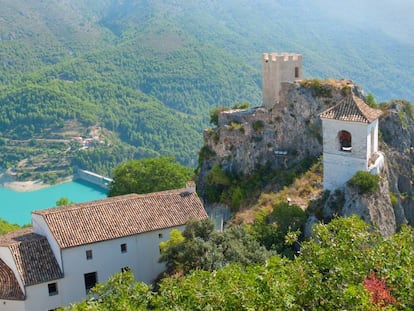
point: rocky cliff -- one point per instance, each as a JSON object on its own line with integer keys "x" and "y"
{"x": 246, "y": 140}
{"x": 285, "y": 134}
{"x": 397, "y": 130}
{"x": 374, "y": 207}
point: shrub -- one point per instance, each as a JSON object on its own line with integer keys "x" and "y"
{"x": 371, "y": 101}
{"x": 394, "y": 199}
{"x": 206, "y": 153}
{"x": 240, "y": 106}
{"x": 365, "y": 182}
{"x": 318, "y": 88}
{"x": 258, "y": 125}
{"x": 214, "y": 113}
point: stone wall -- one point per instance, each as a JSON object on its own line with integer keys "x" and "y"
{"x": 93, "y": 178}
{"x": 276, "y": 69}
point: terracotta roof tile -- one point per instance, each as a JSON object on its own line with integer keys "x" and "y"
{"x": 353, "y": 109}
{"x": 121, "y": 216}
{"x": 9, "y": 287}
{"x": 32, "y": 255}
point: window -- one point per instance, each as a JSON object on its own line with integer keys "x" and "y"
{"x": 52, "y": 287}
{"x": 296, "y": 72}
{"x": 90, "y": 280}
{"x": 89, "y": 254}
{"x": 125, "y": 269}
{"x": 160, "y": 235}
{"x": 345, "y": 141}
{"x": 123, "y": 248}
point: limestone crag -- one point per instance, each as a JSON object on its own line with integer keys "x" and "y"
{"x": 374, "y": 208}
{"x": 397, "y": 129}
{"x": 290, "y": 131}
{"x": 285, "y": 134}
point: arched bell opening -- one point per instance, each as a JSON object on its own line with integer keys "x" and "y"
{"x": 345, "y": 141}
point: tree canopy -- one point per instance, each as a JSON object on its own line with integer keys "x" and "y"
{"x": 149, "y": 175}
{"x": 201, "y": 247}
{"x": 345, "y": 266}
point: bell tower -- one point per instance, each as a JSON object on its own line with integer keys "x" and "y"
{"x": 350, "y": 141}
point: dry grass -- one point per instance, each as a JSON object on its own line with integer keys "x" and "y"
{"x": 305, "y": 188}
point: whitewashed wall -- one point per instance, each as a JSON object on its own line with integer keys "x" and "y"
{"x": 38, "y": 299}
{"x": 13, "y": 305}
{"x": 141, "y": 257}
{"x": 339, "y": 166}
{"x": 337, "y": 170}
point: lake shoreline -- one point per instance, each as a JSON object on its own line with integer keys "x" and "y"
{"x": 8, "y": 180}
{"x": 17, "y": 207}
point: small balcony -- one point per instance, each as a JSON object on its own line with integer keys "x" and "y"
{"x": 376, "y": 163}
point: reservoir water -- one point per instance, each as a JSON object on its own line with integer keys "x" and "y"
{"x": 16, "y": 207}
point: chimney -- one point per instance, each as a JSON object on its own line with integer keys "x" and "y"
{"x": 190, "y": 187}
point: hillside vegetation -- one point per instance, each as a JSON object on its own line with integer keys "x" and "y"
{"x": 346, "y": 266}
{"x": 147, "y": 73}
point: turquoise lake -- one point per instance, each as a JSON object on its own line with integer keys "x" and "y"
{"x": 16, "y": 207}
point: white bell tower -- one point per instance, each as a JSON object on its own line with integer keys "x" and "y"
{"x": 350, "y": 141}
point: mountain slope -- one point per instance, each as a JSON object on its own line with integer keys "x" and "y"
{"x": 149, "y": 71}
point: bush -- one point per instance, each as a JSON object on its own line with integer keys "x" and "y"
{"x": 240, "y": 106}
{"x": 258, "y": 125}
{"x": 365, "y": 182}
{"x": 214, "y": 113}
{"x": 371, "y": 101}
{"x": 394, "y": 199}
{"x": 317, "y": 88}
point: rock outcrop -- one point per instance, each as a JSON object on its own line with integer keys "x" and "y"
{"x": 285, "y": 134}
{"x": 375, "y": 208}
{"x": 397, "y": 129}
{"x": 290, "y": 131}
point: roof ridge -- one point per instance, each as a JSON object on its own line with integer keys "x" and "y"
{"x": 352, "y": 108}
{"x": 122, "y": 216}
{"x": 63, "y": 209}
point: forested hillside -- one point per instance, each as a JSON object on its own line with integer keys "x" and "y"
{"x": 147, "y": 73}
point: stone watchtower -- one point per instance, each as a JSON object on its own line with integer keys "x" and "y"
{"x": 278, "y": 68}
{"x": 350, "y": 141}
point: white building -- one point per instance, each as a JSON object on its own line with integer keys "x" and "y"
{"x": 70, "y": 249}
{"x": 350, "y": 141}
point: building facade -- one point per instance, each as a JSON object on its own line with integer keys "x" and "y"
{"x": 350, "y": 141}
{"x": 71, "y": 248}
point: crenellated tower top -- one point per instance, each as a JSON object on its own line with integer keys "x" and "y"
{"x": 278, "y": 68}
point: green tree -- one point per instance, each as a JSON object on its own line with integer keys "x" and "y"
{"x": 120, "y": 292}
{"x": 216, "y": 182}
{"x": 365, "y": 182}
{"x": 63, "y": 201}
{"x": 347, "y": 265}
{"x": 7, "y": 227}
{"x": 271, "y": 228}
{"x": 149, "y": 175}
{"x": 204, "y": 248}
{"x": 371, "y": 101}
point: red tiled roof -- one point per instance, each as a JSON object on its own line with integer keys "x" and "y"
{"x": 353, "y": 109}
{"x": 9, "y": 287}
{"x": 121, "y": 216}
{"x": 32, "y": 255}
